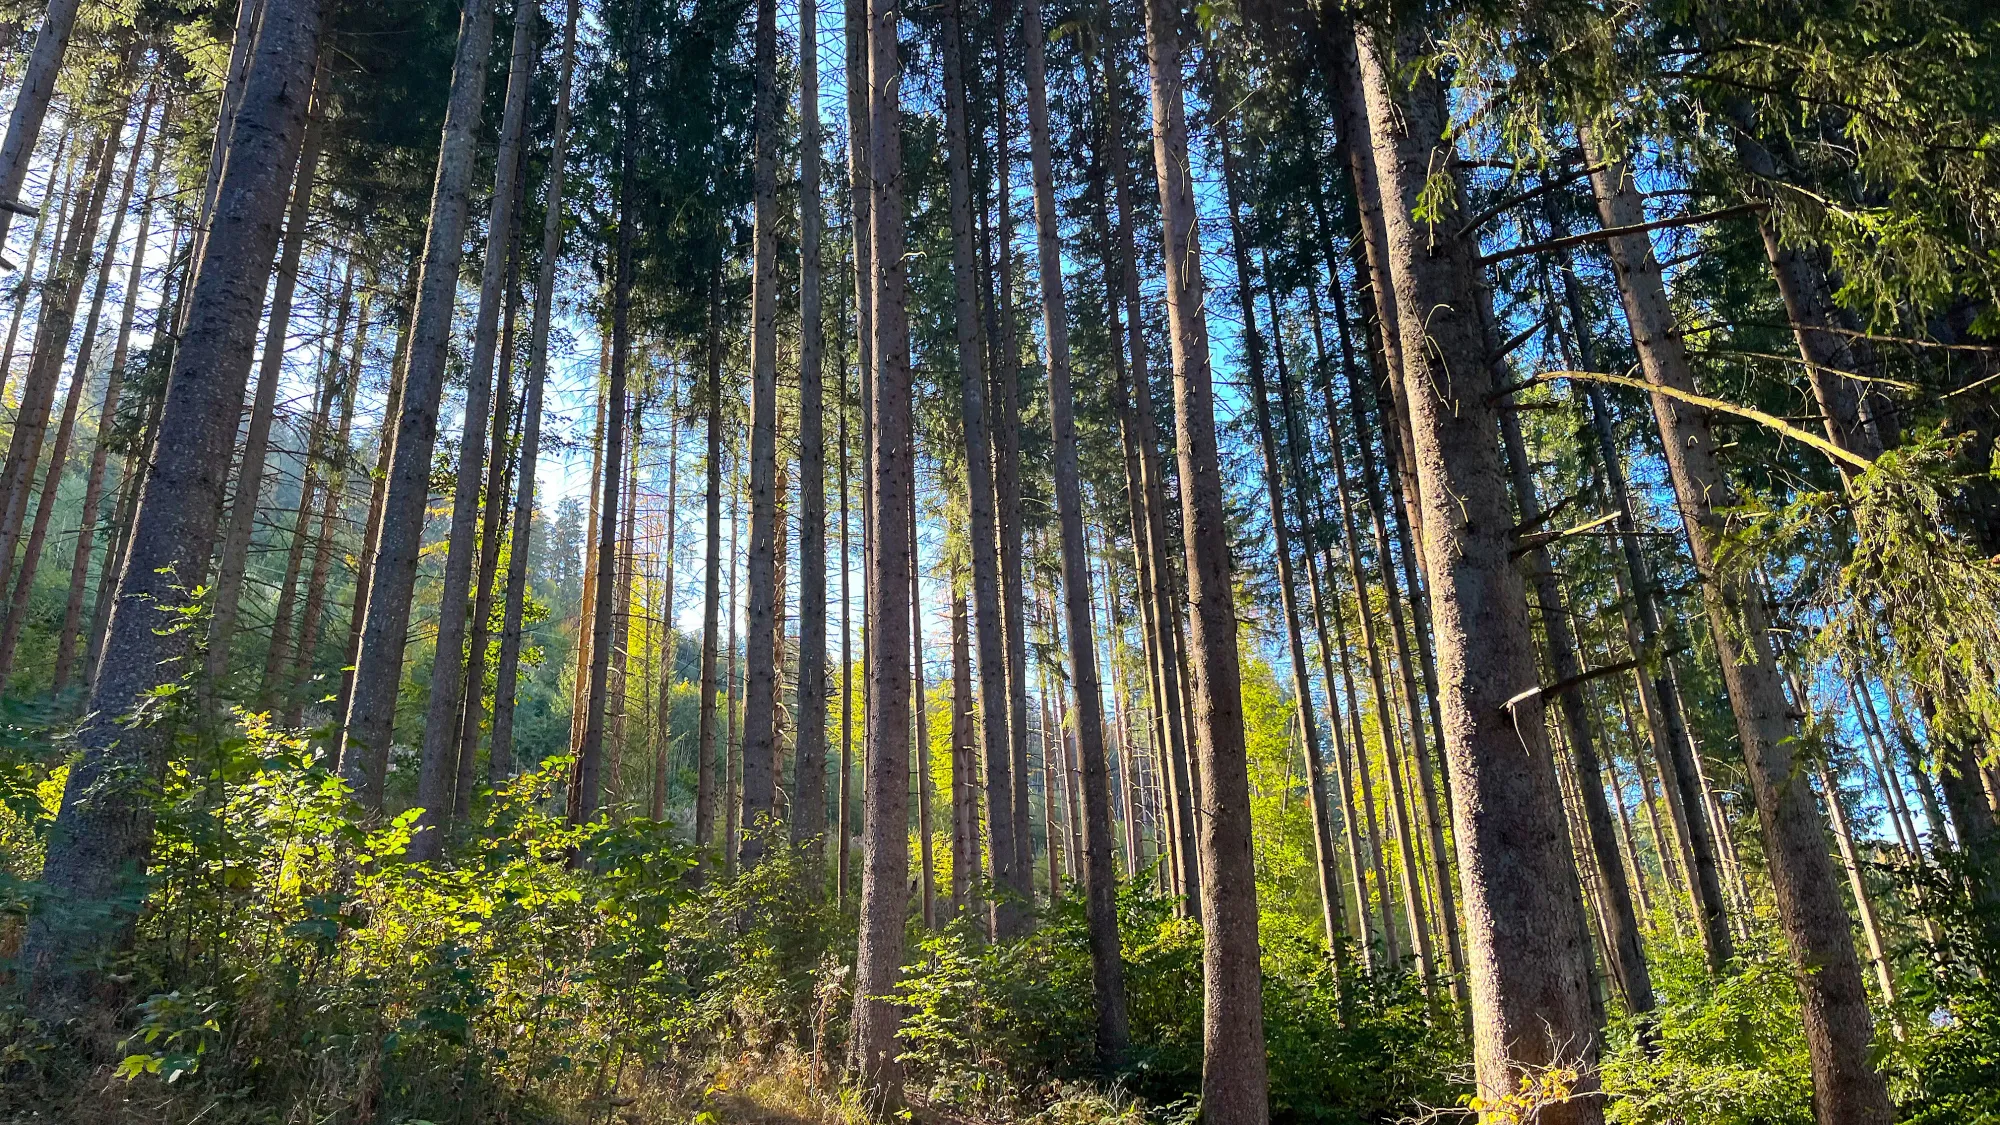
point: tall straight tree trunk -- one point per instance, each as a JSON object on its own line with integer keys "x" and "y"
{"x": 31, "y": 102}
{"x": 257, "y": 434}
{"x": 1625, "y": 955}
{"x": 54, "y": 324}
{"x": 1658, "y": 698}
{"x": 1004, "y": 426}
{"x": 809, "y": 777}
{"x": 1011, "y": 896}
{"x": 279, "y": 654}
{"x": 107, "y": 414}
{"x": 663, "y": 716}
{"x": 438, "y": 767}
{"x": 378, "y": 670}
{"x": 492, "y": 526}
{"x": 885, "y": 864}
{"x": 586, "y": 774}
{"x": 24, "y": 583}
{"x": 337, "y": 456}
{"x": 1532, "y": 1003}
{"x": 861, "y": 194}
{"x": 1233, "y": 1066}
{"x": 501, "y": 754}
{"x": 704, "y": 793}
{"x": 732, "y": 757}
{"x": 377, "y": 495}
{"x": 841, "y": 793}
{"x": 920, "y": 703}
{"x": 1839, "y": 1029}
{"x": 760, "y": 679}
{"x": 1324, "y": 860}
{"x": 1100, "y": 881}
{"x": 98, "y": 846}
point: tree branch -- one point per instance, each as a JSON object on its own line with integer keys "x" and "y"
{"x": 1608, "y": 233}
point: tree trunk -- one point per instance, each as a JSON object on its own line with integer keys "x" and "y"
{"x": 1530, "y": 962}
{"x": 439, "y": 765}
{"x": 257, "y": 434}
{"x": 493, "y": 525}
{"x": 964, "y": 770}
{"x": 31, "y": 102}
{"x": 760, "y": 681}
{"x": 732, "y": 758}
{"x": 501, "y": 759}
{"x": 920, "y": 703}
{"x": 704, "y": 793}
{"x": 663, "y": 716}
{"x": 1233, "y": 1066}
{"x": 1004, "y": 425}
{"x": 378, "y": 673}
{"x": 1625, "y": 955}
{"x": 1011, "y": 898}
{"x": 98, "y": 846}
{"x": 55, "y": 199}
{"x": 1100, "y": 881}
{"x": 885, "y": 868}
{"x": 1324, "y": 859}
{"x": 1839, "y": 1030}
{"x": 585, "y": 775}
{"x": 337, "y": 457}
{"x": 842, "y": 818}
{"x": 54, "y": 323}
{"x": 107, "y": 414}
{"x": 809, "y": 776}
{"x": 279, "y": 653}
{"x": 24, "y": 584}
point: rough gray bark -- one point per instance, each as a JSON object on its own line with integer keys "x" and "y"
{"x": 920, "y": 704}
{"x": 1233, "y": 1066}
{"x": 257, "y": 435}
{"x": 1839, "y": 1029}
{"x": 507, "y": 673}
{"x": 1004, "y": 426}
{"x": 809, "y": 763}
{"x": 1532, "y": 1003}
{"x": 885, "y": 863}
{"x": 1011, "y": 899}
{"x": 1099, "y": 879}
{"x": 438, "y": 768}
{"x": 492, "y": 526}
{"x": 107, "y": 413}
{"x": 378, "y": 671}
{"x": 760, "y": 678}
{"x": 103, "y": 833}
{"x": 31, "y": 102}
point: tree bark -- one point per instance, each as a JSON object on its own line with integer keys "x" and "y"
{"x": 102, "y": 835}
{"x": 809, "y": 777}
{"x": 52, "y": 199}
{"x": 760, "y": 680}
{"x": 337, "y": 456}
{"x": 492, "y": 526}
{"x": 1839, "y": 1029}
{"x": 885, "y": 868}
{"x": 500, "y": 761}
{"x": 371, "y": 711}
{"x": 704, "y": 793}
{"x": 1233, "y": 1066}
{"x": 1530, "y": 958}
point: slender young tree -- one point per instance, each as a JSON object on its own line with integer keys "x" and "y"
{"x": 31, "y": 103}
{"x": 705, "y": 737}
{"x": 97, "y": 846}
